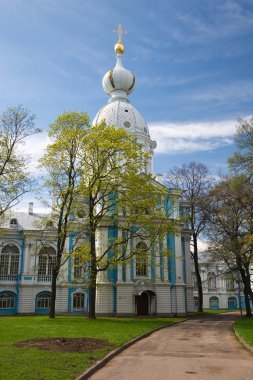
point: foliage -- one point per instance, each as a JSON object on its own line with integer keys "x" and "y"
{"x": 16, "y": 124}
{"x": 230, "y": 227}
{"x": 244, "y": 328}
{"x": 98, "y": 175}
{"x": 61, "y": 164}
{"x": 26, "y": 363}
{"x": 119, "y": 195}
{"x": 243, "y": 159}
{"x": 194, "y": 180}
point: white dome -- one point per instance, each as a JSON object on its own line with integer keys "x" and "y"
{"x": 122, "y": 114}
{"x": 118, "y": 83}
{"x": 118, "y": 78}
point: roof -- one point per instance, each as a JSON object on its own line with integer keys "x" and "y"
{"x": 25, "y": 221}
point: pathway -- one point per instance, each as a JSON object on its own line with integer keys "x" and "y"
{"x": 203, "y": 348}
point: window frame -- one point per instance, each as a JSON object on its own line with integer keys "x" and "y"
{"x": 43, "y": 300}
{"x": 211, "y": 281}
{"x": 78, "y": 301}
{"x": 9, "y": 298}
{"x": 9, "y": 261}
{"x": 46, "y": 261}
{"x": 141, "y": 263}
{"x": 77, "y": 268}
{"x": 13, "y": 222}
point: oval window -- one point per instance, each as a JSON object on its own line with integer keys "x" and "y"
{"x": 127, "y": 124}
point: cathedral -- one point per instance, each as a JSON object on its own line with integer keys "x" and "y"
{"x": 160, "y": 288}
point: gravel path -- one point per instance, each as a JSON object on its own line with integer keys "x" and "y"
{"x": 203, "y": 348}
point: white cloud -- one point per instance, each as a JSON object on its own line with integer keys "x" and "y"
{"x": 34, "y": 147}
{"x": 191, "y": 137}
{"x": 170, "y": 137}
{"x": 202, "y": 246}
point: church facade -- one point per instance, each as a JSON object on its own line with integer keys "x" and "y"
{"x": 161, "y": 287}
{"x": 221, "y": 289}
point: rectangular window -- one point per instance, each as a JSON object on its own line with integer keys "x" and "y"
{"x": 141, "y": 267}
{"x": 78, "y": 301}
{"x": 14, "y": 264}
{"x": 194, "y": 282}
{"x": 7, "y": 302}
{"x": 4, "y": 264}
{"x": 51, "y": 265}
{"x": 42, "y": 270}
{"x": 78, "y": 269}
{"x": 229, "y": 281}
{"x": 44, "y": 302}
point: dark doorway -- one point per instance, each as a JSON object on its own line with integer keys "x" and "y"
{"x": 142, "y": 304}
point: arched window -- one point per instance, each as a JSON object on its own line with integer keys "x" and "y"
{"x": 78, "y": 301}
{"x": 47, "y": 260}
{"x": 141, "y": 259}
{"x": 80, "y": 212}
{"x": 49, "y": 223}
{"x": 211, "y": 281}
{"x": 232, "y": 303}
{"x": 7, "y": 300}
{"x": 13, "y": 222}
{"x": 43, "y": 302}
{"x": 214, "y": 302}
{"x": 9, "y": 262}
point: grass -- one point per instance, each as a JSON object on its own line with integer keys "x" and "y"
{"x": 34, "y": 364}
{"x": 244, "y": 328}
{"x": 215, "y": 311}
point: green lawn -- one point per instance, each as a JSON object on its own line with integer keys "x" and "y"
{"x": 217, "y": 311}
{"x": 34, "y": 364}
{"x": 244, "y": 328}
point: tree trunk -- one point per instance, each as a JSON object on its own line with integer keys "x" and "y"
{"x": 93, "y": 279}
{"x": 53, "y": 295}
{"x": 247, "y": 303}
{"x": 92, "y": 298}
{"x": 197, "y": 273}
{"x": 246, "y": 292}
{"x": 248, "y": 275}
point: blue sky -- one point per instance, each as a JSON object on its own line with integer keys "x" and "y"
{"x": 193, "y": 61}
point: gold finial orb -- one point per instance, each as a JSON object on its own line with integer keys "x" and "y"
{"x": 119, "y": 46}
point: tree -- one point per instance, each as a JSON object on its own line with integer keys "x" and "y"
{"x": 96, "y": 173}
{"x": 119, "y": 197}
{"x": 61, "y": 162}
{"x": 230, "y": 228}
{"x": 16, "y": 124}
{"x": 194, "y": 180}
{"x": 242, "y": 161}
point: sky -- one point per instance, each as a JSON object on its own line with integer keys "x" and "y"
{"x": 193, "y": 63}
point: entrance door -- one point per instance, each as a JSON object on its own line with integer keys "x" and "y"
{"x": 142, "y": 304}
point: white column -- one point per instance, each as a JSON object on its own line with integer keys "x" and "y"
{"x": 187, "y": 239}
{"x": 157, "y": 262}
{"x": 128, "y": 264}
{"x": 165, "y": 261}
{"x": 179, "y": 259}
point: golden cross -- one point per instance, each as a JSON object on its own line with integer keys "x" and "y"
{"x": 120, "y": 31}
